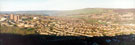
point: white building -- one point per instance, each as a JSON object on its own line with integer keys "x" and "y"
{"x": 3, "y": 19}
{"x": 35, "y": 18}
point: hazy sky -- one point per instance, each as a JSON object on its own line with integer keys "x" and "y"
{"x": 22, "y": 5}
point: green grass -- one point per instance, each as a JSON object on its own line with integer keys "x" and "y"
{"x": 17, "y": 30}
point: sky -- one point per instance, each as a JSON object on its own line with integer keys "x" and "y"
{"x": 25, "y": 5}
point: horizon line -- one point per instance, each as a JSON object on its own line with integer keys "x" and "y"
{"x": 63, "y": 10}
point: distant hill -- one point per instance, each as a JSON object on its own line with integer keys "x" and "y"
{"x": 84, "y": 11}
{"x": 88, "y": 11}
{"x": 38, "y": 12}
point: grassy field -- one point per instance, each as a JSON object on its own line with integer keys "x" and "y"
{"x": 17, "y": 30}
